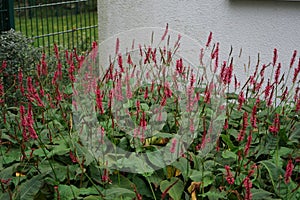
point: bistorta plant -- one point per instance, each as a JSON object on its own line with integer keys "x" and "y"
{"x": 50, "y": 151}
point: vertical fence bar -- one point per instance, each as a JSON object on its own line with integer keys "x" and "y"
{"x": 76, "y": 22}
{"x": 31, "y": 12}
{"x": 90, "y": 29}
{"x": 53, "y": 18}
{"x": 95, "y": 20}
{"x": 48, "y": 31}
{"x": 11, "y": 19}
{"x": 68, "y": 25}
{"x": 26, "y": 16}
{"x": 57, "y": 24}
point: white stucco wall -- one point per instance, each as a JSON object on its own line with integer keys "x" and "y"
{"x": 256, "y": 26}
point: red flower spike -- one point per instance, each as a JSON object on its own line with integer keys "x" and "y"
{"x": 99, "y": 97}
{"x": 223, "y": 71}
{"x": 215, "y": 55}
{"x": 262, "y": 71}
{"x": 166, "y": 32}
{"x": 128, "y": 88}
{"x": 120, "y": 63}
{"x": 71, "y": 71}
{"x": 209, "y": 39}
{"x": 73, "y": 157}
{"x": 247, "y": 148}
{"x": 179, "y": 66}
{"x": 275, "y": 57}
{"x": 30, "y": 122}
{"x": 129, "y": 60}
{"x": 117, "y": 46}
{"x": 276, "y": 125}
{"x": 225, "y": 127}
{"x": 269, "y": 102}
{"x": 296, "y": 72}
{"x": 229, "y": 176}
{"x": 277, "y": 73}
{"x": 146, "y": 93}
{"x": 253, "y": 115}
{"x": 293, "y": 58}
{"x": 143, "y": 122}
{"x": 153, "y": 54}
{"x": 148, "y": 54}
{"x": 167, "y": 90}
{"x": 23, "y": 123}
{"x": 298, "y": 105}
{"x": 241, "y": 100}
{"x": 248, "y": 186}
{"x": 288, "y": 171}
{"x": 267, "y": 89}
{"x": 284, "y": 94}
{"x": 242, "y": 132}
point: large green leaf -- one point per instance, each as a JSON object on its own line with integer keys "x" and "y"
{"x": 4, "y": 196}
{"x": 294, "y": 136}
{"x": 214, "y": 195}
{"x": 183, "y": 165}
{"x": 92, "y": 197}
{"x": 141, "y": 186}
{"x": 275, "y": 173}
{"x": 117, "y": 193}
{"x": 60, "y": 149}
{"x": 176, "y": 189}
{"x": 30, "y": 188}
{"x": 11, "y": 156}
{"x": 68, "y": 192}
{"x": 258, "y": 194}
{"x": 156, "y": 160}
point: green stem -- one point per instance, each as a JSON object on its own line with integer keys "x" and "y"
{"x": 154, "y": 197}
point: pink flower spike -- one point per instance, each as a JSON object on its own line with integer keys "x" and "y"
{"x": 120, "y": 62}
{"x": 247, "y": 148}
{"x": 296, "y": 72}
{"x": 277, "y": 73}
{"x": 267, "y": 89}
{"x": 275, "y": 56}
{"x": 298, "y": 105}
{"x": 143, "y": 122}
{"x": 225, "y": 127}
{"x": 117, "y": 46}
{"x": 242, "y": 132}
{"x": 288, "y": 171}
{"x": 253, "y": 116}
{"x": 284, "y": 94}
{"x": 293, "y": 58}
{"x": 248, "y": 186}
{"x": 73, "y": 157}
{"x": 166, "y": 32}
{"x": 146, "y": 93}
{"x": 129, "y": 60}
{"x": 209, "y": 39}
{"x": 241, "y": 100}
{"x": 229, "y": 176}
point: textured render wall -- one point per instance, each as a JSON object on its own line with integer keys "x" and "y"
{"x": 256, "y": 26}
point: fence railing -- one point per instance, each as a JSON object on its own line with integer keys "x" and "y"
{"x": 69, "y": 23}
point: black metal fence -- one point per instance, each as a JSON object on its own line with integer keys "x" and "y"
{"x": 68, "y": 23}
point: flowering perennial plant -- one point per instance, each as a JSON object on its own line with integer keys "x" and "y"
{"x": 254, "y": 155}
